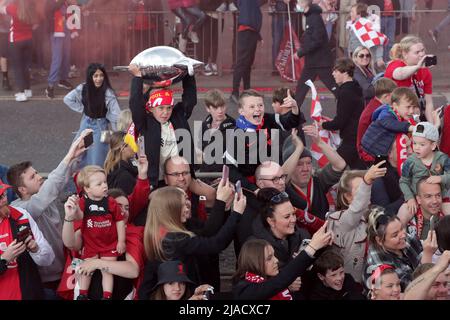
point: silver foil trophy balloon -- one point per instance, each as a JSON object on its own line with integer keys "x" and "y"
{"x": 163, "y": 66}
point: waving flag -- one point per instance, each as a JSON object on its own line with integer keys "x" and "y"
{"x": 367, "y": 35}
{"x": 284, "y": 58}
{"x": 330, "y": 137}
{"x": 130, "y": 138}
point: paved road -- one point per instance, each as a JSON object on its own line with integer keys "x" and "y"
{"x": 42, "y": 130}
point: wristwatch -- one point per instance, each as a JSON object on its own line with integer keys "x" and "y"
{"x": 3, "y": 266}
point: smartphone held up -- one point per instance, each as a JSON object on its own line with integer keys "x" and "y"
{"x": 141, "y": 146}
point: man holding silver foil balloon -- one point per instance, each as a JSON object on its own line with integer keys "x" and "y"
{"x": 157, "y": 118}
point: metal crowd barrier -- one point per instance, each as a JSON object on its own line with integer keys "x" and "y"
{"x": 114, "y": 38}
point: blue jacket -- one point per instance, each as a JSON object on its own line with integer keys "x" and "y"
{"x": 381, "y": 133}
{"x": 250, "y": 13}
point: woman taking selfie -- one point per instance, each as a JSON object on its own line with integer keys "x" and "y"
{"x": 258, "y": 276}
{"x": 389, "y": 243}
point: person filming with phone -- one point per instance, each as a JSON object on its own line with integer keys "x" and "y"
{"x": 40, "y": 198}
{"x": 410, "y": 68}
{"x": 22, "y": 249}
{"x": 429, "y": 201}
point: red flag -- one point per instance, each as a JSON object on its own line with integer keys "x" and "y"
{"x": 284, "y": 58}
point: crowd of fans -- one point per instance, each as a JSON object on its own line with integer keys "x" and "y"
{"x": 372, "y": 223}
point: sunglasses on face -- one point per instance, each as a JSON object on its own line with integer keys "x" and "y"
{"x": 362, "y": 55}
{"x": 278, "y": 198}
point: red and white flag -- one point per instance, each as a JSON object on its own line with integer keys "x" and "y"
{"x": 330, "y": 137}
{"x": 367, "y": 35}
{"x": 284, "y": 58}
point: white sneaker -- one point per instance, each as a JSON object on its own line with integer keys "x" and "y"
{"x": 232, "y": 7}
{"x": 207, "y": 71}
{"x": 28, "y": 93}
{"x": 222, "y": 7}
{"x": 193, "y": 36}
{"x": 182, "y": 43}
{"x": 21, "y": 97}
{"x": 214, "y": 69}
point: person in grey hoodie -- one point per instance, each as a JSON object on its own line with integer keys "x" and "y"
{"x": 40, "y": 199}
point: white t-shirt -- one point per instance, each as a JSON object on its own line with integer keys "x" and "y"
{"x": 169, "y": 146}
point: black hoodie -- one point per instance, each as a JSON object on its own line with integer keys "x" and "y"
{"x": 123, "y": 176}
{"x": 350, "y": 104}
{"x": 314, "y": 42}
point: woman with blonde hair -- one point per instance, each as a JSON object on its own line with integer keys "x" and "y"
{"x": 166, "y": 238}
{"x": 390, "y": 244}
{"x": 349, "y": 223}
{"x": 364, "y": 72}
{"x": 23, "y": 17}
{"x": 119, "y": 167}
{"x": 385, "y": 284}
{"x": 408, "y": 69}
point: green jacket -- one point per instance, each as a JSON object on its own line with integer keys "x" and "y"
{"x": 413, "y": 170}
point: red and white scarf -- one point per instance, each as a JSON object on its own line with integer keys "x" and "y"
{"x": 254, "y": 278}
{"x": 416, "y": 224}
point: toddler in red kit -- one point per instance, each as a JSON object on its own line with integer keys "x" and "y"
{"x": 102, "y": 229}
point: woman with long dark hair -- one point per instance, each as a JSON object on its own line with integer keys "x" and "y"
{"x": 96, "y": 100}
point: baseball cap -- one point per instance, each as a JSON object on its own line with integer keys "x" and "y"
{"x": 172, "y": 271}
{"x": 426, "y": 130}
{"x": 3, "y": 187}
{"x": 289, "y": 148}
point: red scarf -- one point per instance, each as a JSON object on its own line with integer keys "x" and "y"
{"x": 400, "y": 142}
{"x": 308, "y": 197}
{"x": 418, "y": 223}
{"x": 254, "y": 278}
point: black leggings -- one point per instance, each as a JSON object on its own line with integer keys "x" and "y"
{"x": 247, "y": 42}
{"x": 323, "y": 74}
{"x": 186, "y": 16}
{"x": 20, "y": 54}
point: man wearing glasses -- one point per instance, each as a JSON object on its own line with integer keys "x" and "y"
{"x": 177, "y": 174}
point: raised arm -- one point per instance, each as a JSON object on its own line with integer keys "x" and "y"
{"x": 418, "y": 289}
{"x": 336, "y": 161}
{"x": 189, "y": 96}
{"x": 352, "y": 216}
{"x": 137, "y": 99}
{"x": 291, "y": 163}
